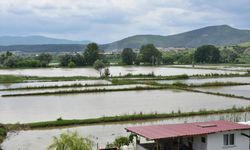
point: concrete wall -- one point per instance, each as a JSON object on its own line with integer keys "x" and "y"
{"x": 198, "y": 145}
{"x": 216, "y": 141}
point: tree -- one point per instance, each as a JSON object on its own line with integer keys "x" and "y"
{"x": 11, "y": 62}
{"x": 99, "y": 65}
{"x": 91, "y": 53}
{"x": 120, "y": 141}
{"x": 150, "y": 54}
{"x": 71, "y": 141}
{"x": 168, "y": 59}
{"x": 228, "y": 56}
{"x": 77, "y": 59}
{"x": 128, "y": 56}
{"x": 44, "y": 59}
{"x": 71, "y": 64}
{"x": 207, "y": 54}
{"x": 106, "y": 72}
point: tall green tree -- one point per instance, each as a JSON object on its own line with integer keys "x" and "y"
{"x": 71, "y": 141}
{"x": 128, "y": 56}
{"x": 91, "y": 53}
{"x": 207, "y": 54}
{"x": 44, "y": 59}
{"x": 150, "y": 54}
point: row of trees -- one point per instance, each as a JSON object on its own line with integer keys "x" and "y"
{"x": 10, "y": 60}
{"x": 149, "y": 54}
{"x": 90, "y": 55}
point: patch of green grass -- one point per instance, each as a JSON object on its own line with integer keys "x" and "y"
{"x": 215, "y": 84}
{"x": 11, "y": 79}
{"x": 218, "y": 94}
{"x": 132, "y": 117}
{"x": 55, "y": 86}
{"x": 86, "y": 91}
{"x": 3, "y": 133}
{"x": 216, "y": 75}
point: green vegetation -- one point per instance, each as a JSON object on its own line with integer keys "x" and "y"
{"x": 71, "y": 141}
{"x": 218, "y": 94}
{"x": 99, "y": 65}
{"x": 85, "y": 91}
{"x": 9, "y": 60}
{"x": 91, "y": 53}
{"x": 128, "y": 56}
{"x": 11, "y": 79}
{"x": 55, "y": 86}
{"x": 132, "y": 117}
{"x": 72, "y": 60}
{"x": 119, "y": 142}
{"x": 214, "y": 84}
{"x": 3, "y": 133}
{"x": 150, "y": 54}
{"x": 207, "y": 54}
{"x": 178, "y": 57}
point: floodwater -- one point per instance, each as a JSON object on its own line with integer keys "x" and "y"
{"x": 30, "y": 91}
{"x": 208, "y": 80}
{"x": 114, "y": 71}
{"x": 242, "y": 90}
{"x": 90, "y": 105}
{"x": 222, "y": 67}
{"x": 44, "y": 84}
{"x": 101, "y": 134}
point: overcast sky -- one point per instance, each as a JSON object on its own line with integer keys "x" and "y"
{"x": 105, "y": 21}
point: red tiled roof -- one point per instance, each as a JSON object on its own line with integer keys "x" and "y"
{"x": 155, "y": 132}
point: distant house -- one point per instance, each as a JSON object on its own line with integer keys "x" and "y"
{"x": 213, "y": 135}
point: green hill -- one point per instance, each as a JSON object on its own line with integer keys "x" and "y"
{"x": 216, "y": 35}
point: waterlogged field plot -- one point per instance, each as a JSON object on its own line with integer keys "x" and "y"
{"x": 92, "y": 105}
{"x": 243, "y": 90}
{"x": 209, "y": 80}
{"x": 114, "y": 71}
{"x": 61, "y": 90}
{"x": 221, "y": 67}
{"x": 101, "y": 134}
{"x": 46, "y": 84}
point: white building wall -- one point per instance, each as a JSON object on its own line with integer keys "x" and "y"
{"x": 198, "y": 145}
{"x": 216, "y": 141}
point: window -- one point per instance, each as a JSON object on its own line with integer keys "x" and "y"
{"x": 203, "y": 139}
{"x": 228, "y": 139}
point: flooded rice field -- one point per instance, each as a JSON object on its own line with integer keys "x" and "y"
{"x": 114, "y": 71}
{"x": 90, "y": 105}
{"x": 48, "y": 90}
{"x": 220, "y": 67}
{"x": 101, "y": 134}
{"x": 243, "y": 90}
{"x": 208, "y": 80}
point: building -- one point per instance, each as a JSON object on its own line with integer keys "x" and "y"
{"x": 213, "y": 135}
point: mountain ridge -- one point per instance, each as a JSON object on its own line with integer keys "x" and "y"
{"x": 36, "y": 40}
{"x": 216, "y": 35}
{"x": 221, "y": 35}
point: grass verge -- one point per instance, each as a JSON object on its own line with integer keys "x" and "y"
{"x": 217, "y": 94}
{"x": 3, "y": 133}
{"x": 87, "y": 91}
{"x": 55, "y": 86}
{"x": 11, "y": 79}
{"x": 132, "y": 117}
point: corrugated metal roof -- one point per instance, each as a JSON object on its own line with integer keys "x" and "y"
{"x": 155, "y": 132}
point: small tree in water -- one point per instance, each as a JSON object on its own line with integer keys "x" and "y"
{"x": 71, "y": 141}
{"x": 99, "y": 65}
{"x": 106, "y": 72}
